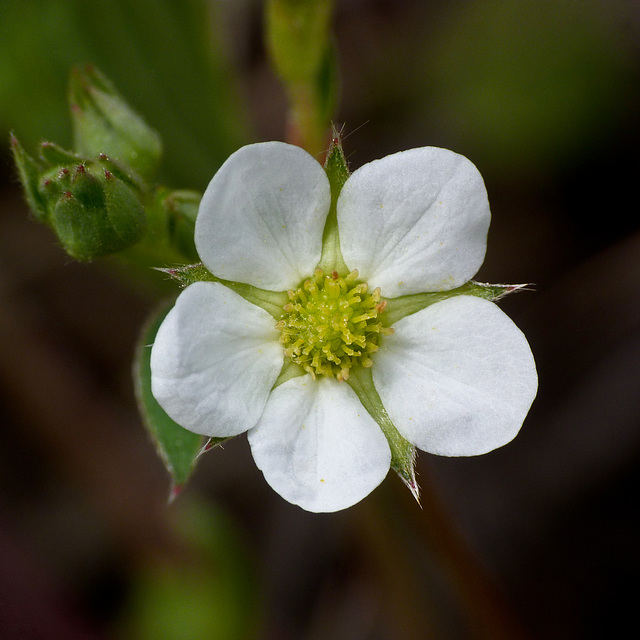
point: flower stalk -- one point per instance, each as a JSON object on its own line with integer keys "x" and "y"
{"x": 299, "y": 45}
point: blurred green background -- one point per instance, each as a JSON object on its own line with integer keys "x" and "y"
{"x": 535, "y": 540}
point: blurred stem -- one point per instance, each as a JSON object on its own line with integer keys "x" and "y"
{"x": 304, "y": 126}
{"x": 298, "y": 41}
{"x": 428, "y": 546}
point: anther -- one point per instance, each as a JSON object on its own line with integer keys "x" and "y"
{"x": 329, "y": 324}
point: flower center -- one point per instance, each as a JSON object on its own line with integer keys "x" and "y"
{"x": 331, "y": 324}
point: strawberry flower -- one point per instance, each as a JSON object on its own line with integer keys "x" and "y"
{"x": 339, "y": 327}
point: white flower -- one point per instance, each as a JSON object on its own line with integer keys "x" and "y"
{"x": 455, "y": 377}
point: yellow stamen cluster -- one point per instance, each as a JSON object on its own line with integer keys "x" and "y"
{"x": 331, "y": 324}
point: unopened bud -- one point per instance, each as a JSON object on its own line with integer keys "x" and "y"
{"x": 97, "y": 215}
{"x": 104, "y": 123}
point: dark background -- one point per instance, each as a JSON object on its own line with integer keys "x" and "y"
{"x": 536, "y": 540}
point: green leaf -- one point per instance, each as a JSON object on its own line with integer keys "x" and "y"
{"x": 177, "y": 447}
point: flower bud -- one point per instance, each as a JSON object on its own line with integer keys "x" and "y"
{"x": 98, "y": 214}
{"x": 94, "y": 207}
{"x": 104, "y": 123}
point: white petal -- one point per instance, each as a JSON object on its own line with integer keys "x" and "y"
{"x": 262, "y": 216}
{"x": 414, "y": 221}
{"x": 214, "y": 361}
{"x": 456, "y": 378}
{"x": 317, "y": 446}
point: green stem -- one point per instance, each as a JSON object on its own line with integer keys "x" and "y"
{"x": 298, "y": 41}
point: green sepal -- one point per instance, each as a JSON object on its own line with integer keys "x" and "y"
{"x": 271, "y": 301}
{"x": 402, "y": 306}
{"x": 182, "y": 209}
{"x": 124, "y": 210}
{"x": 103, "y": 122}
{"x": 56, "y": 156}
{"x": 337, "y": 171}
{"x": 403, "y": 453}
{"x": 74, "y": 226}
{"x": 30, "y": 175}
{"x": 124, "y": 173}
{"x": 336, "y": 167}
{"x": 178, "y": 448}
{"x": 172, "y": 219}
{"x": 190, "y": 273}
{"x": 214, "y": 442}
{"x": 289, "y": 370}
{"x": 87, "y": 188}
